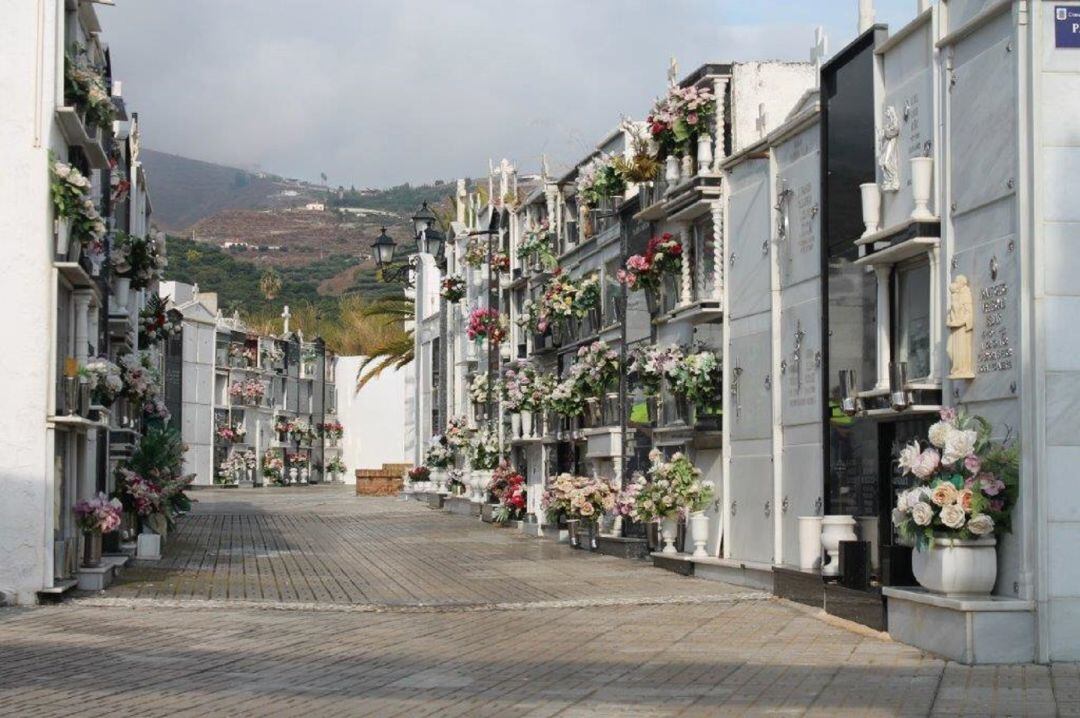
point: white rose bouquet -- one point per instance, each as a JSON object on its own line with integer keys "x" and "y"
{"x": 967, "y": 485}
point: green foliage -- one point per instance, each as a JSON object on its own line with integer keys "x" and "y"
{"x": 403, "y": 199}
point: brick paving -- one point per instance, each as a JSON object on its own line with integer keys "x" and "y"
{"x": 316, "y": 603}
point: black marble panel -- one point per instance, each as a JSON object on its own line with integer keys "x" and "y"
{"x": 805, "y": 587}
{"x": 864, "y": 607}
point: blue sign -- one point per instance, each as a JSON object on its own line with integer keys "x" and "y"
{"x": 1067, "y": 26}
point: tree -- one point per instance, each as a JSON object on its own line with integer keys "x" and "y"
{"x": 394, "y": 349}
{"x": 270, "y": 284}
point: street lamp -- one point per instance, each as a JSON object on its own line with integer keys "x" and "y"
{"x": 424, "y": 219}
{"x": 430, "y": 241}
{"x": 383, "y": 247}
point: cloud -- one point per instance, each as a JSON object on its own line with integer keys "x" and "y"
{"x": 375, "y": 92}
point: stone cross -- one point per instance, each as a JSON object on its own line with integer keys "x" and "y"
{"x": 286, "y": 316}
{"x": 673, "y": 73}
{"x": 761, "y": 120}
{"x": 819, "y": 51}
{"x": 866, "y": 15}
{"x": 796, "y": 354}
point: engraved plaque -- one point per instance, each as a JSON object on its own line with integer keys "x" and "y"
{"x": 798, "y": 203}
{"x": 750, "y": 412}
{"x": 750, "y": 237}
{"x": 750, "y": 531}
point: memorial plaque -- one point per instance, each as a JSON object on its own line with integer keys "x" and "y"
{"x": 993, "y": 274}
{"x": 801, "y": 363}
{"x": 749, "y": 363}
{"x": 750, "y": 514}
{"x": 798, "y": 203}
{"x": 907, "y": 73}
{"x": 1066, "y": 26}
{"x": 749, "y": 239}
{"x": 802, "y": 484}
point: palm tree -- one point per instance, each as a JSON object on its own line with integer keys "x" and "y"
{"x": 392, "y": 349}
{"x": 270, "y": 284}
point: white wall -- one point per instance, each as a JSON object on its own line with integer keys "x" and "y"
{"x": 374, "y": 418}
{"x": 29, "y": 85}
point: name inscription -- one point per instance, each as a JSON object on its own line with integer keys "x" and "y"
{"x": 995, "y": 351}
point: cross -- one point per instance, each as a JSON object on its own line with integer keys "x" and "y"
{"x": 286, "y": 315}
{"x": 796, "y": 354}
{"x": 819, "y": 50}
{"x": 673, "y": 73}
{"x": 735, "y": 374}
{"x": 761, "y": 120}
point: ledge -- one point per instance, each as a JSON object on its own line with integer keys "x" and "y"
{"x": 964, "y": 604}
{"x": 903, "y": 231}
{"x": 74, "y": 131}
{"x": 77, "y": 423}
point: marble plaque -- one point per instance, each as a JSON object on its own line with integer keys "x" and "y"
{"x": 982, "y": 125}
{"x": 801, "y": 363}
{"x": 750, "y": 521}
{"x": 749, "y": 364}
{"x": 993, "y": 272}
{"x": 798, "y": 201}
{"x": 749, "y": 239}
{"x": 802, "y": 480}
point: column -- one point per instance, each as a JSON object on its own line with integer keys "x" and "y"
{"x": 935, "y": 313}
{"x": 686, "y": 290}
{"x": 717, "y": 211}
{"x": 720, "y": 90}
{"x": 884, "y": 350}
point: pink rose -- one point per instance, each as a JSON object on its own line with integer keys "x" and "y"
{"x": 991, "y": 485}
{"x": 692, "y": 118}
{"x": 972, "y": 463}
{"x": 948, "y": 414}
{"x": 926, "y": 463}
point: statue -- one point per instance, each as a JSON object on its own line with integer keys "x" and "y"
{"x": 888, "y": 139}
{"x": 961, "y": 321}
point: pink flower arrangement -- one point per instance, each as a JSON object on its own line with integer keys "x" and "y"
{"x": 144, "y": 495}
{"x": 678, "y": 118}
{"x": 663, "y": 255}
{"x": 486, "y": 324}
{"x": 99, "y": 514}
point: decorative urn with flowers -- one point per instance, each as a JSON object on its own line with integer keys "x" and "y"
{"x": 966, "y": 488}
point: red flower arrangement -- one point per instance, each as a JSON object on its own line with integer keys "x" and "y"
{"x": 486, "y": 324}
{"x": 663, "y": 255}
{"x": 508, "y": 489}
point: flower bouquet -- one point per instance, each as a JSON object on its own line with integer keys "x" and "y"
{"x": 651, "y": 364}
{"x": 476, "y": 252}
{"x": 84, "y": 86}
{"x": 678, "y": 118}
{"x": 335, "y": 467}
{"x": 100, "y": 515}
{"x": 663, "y": 256}
{"x": 457, "y": 432}
{"x": 484, "y": 451}
{"x": 478, "y": 389}
{"x": 966, "y": 489}
{"x": 440, "y": 454}
{"x": 565, "y": 399}
{"x": 105, "y": 379}
{"x": 453, "y": 288}
{"x": 301, "y": 431}
{"x": 578, "y": 497}
{"x": 282, "y": 427}
{"x": 332, "y": 431}
{"x": 535, "y": 246}
{"x": 698, "y": 380}
{"x": 419, "y": 474}
{"x": 599, "y": 180}
{"x": 70, "y": 197}
{"x": 486, "y": 324}
{"x": 273, "y": 467}
{"x": 156, "y": 323}
{"x": 233, "y": 434}
{"x": 272, "y": 354}
{"x": 140, "y": 259}
{"x": 231, "y": 470}
{"x": 500, "y": 262}
{"x": 508, "y": 490}
{"x": 534, "y": 316}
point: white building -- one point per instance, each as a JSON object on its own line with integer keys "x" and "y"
{"x": 66, "y": 310}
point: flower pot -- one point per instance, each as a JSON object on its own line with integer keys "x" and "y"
{"x": 871, "y": 207}
{"x": 91, "y": 549}
{"x": 922, "y": 182}
{"x": 809, "y": 542}
{"x": 704, "y": 152}
{"x": 699, "y": 533}
{"x": 652, "y": 300}
{"x": 84, "y": 398}
{"x": 515, "y": 425}
{"x": 956, "y": 567}
{"x": 669, "y": 528}
{"x": 596, "y": 320}
{"x": 594, "y": 412}
{"x": 527, "y": 424}
{"x": 63, "y": 235}
{"x": 835, "y": 529}
{"x": 440, "y": 476}
{"x": 121, "y": 291}
{"x": 480, "y": 480}
{"x": 684, "y": 410}
{"x": 148, "y": 546}
{"x": 687, "y": 168}
{"x": 671, "y": 169}
{"x": 612, "y": 410}
{"x": 671, "y": 293}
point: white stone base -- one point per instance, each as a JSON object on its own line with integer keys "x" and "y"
{"x": 149, "y": 547}
{"x": 101, "y": 577}
{"x": 980, "y": 629}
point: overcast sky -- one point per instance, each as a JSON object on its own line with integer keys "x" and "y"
{"x": 379, "y": 92}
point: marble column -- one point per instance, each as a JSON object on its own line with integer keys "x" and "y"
{"x": 686, "y": 295}
{"x": 935, "y": 313}
{"x": 717, "y": 211}
{"x": 82, "y": 324}
{"x": 720, "y": 90}
{"x": 884, "y": 350}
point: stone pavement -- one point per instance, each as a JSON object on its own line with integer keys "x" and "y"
{"x": 314, "y": 602}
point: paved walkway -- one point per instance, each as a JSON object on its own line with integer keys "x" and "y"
{"x": 314, "y": 602}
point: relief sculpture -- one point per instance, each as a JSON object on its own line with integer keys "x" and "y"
{"x": 961, "y": 322}
{"x": 888, "y": 140}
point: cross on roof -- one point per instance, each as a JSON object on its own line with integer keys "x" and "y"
{"x": 761, "y": 120}
{"x": 819, "y": 50}
{"x": 286, "y": 315}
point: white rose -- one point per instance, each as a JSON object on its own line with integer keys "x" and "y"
{"x": 958, "y": 445}
{"x": 899, "y": 516}
{"x": 908, "y": 456}
{"x": 953, "y": 516}
{"x": 922, "y": 514}
{"x": 980, "y": 524}
{"x": 939, "y": 433}
{"x": 62, "y": 170}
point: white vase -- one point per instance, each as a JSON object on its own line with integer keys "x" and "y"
{"x": 304, "y": 473}
{"x": 687, "y": 170}
{"x": 527, "y": 424}
{"x": 704, "y": 152}
{"x": 671, "y": 169}
{"x": 121, "y": 291}
{"x": 669, "y": 529}
{"x": 439, "y": 476}
{"x": 63, "y": 235}
{"x": 148, "y": 546}
{"x": 809, "y": 542}
{"x": 515, "y": 425}
{"x": 835, "y": 529}
{"x": 292, "y": 475}
{"x": 871, "y": 207}
{"x": 699, "y": 533}
{"x": 956, "y": 567}
{"x": 922, "y": 183}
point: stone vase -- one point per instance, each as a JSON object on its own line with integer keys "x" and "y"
{"x": 527, "y": 424}
{"x": 669, "y": 529}
{"x": 704, "y": 152}
{"x": 922, "y": 183}
{"x": 292, "y": 475}
{"x": 956, "y": 567}
{"x": 671, "y": 169}
{"x": 515, "y": 425}
{"x": 91, "y": 549}
{"x": 121, "y": 291}
{"x": 809, "y": 542}
{"x": 835, "y": 529}
{"x": 699, "y": 533}
{"x": 871, "y": 207}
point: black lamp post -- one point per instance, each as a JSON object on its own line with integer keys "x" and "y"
{"x": 429, "y": 240}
